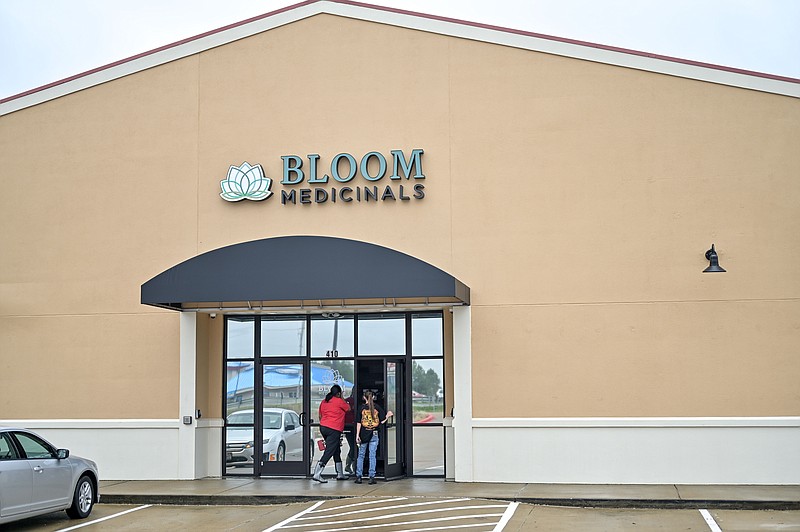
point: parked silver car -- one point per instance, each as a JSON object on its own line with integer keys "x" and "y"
{"x": 282, "y": 437}
{"x": 37, "y": 478}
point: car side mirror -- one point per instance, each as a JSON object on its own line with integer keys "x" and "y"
{"x": 62, "y": 454}
{"x": 290, "y": 427}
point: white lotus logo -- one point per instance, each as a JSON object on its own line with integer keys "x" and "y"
{"x": 245, "y": 182}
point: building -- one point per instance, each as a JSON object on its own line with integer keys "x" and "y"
{"x": 511, "y": 225}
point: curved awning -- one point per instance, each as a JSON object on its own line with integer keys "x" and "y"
{"x": 300, "y": 271}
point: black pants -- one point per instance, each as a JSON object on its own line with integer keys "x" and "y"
{"x": 333, "y": 445}
{"x": 350, "y": 434}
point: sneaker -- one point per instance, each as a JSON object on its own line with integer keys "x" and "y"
{"x": 372, "y": 480}
{"x": 358, "y": 480}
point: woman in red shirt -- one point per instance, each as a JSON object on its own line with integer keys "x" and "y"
{"x": 331, "y": 420}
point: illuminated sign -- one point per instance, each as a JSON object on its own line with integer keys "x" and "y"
{"x": 348, "y": 180}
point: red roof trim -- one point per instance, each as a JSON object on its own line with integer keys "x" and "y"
{"x": 415, "y": 14}
{"x": 573, "y": 41}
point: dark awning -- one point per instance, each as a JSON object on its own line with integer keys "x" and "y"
{"x": 300, "y": 269}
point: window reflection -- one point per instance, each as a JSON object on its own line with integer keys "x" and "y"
{"x": 326, "y": 373}
{"x": 428, "y": 451}
{"x": 239, "y": 390}
{"x": 427, "y": 398}
{"x": 283, "y": 337}
{"x": 426, "y": 335}
{"x": 381, "y": 335}
{"x": 282, "y": 438}
{"x": 332, "y": 337}
{"x": 241, "y": 335}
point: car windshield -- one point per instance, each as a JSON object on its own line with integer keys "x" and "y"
{"x": 272, "y": 420}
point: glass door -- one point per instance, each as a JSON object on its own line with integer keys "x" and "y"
{"x": 394, "y": 433}
{"x": 283, "y": 429}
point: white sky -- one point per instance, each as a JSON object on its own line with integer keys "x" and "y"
{"x": 42, "y": 41}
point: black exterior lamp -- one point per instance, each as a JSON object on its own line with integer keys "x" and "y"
{"x": 713, "y": 261}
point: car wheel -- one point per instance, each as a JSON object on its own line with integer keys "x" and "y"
{"x": 82, "y": 499}
{"x": 281, "y": 452}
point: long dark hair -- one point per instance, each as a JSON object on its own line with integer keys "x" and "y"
{"x": 369, "y": 397}
{"x": 336, "y": 391}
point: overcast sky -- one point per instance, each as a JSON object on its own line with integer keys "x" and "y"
{"x": 42, "y": 41}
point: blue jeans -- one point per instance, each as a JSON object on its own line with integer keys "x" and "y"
{"x": 362, "y": 451}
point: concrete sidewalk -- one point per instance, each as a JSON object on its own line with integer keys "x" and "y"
{"x": 248, "y": 491}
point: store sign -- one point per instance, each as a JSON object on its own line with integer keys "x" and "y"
{"x": 348, "y": 180}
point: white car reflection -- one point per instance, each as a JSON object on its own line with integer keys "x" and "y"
{"x": 282, "y": 437}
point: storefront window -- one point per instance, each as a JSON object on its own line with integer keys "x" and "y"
{"x": 332, "y": 336}
{"x": 240, "y": 390}
{"x": 326, "y": 373}
{"x": 428, "y": 451}
{"x": 281, "y": 367}
{"x": 382, "y": 335}
{"x": 239, "y": 417}
{"x": 241, "y": 333}
{"x": 426, "y": 335}
{"x": 427, "y": 401}
{"x": 283, "y": 337}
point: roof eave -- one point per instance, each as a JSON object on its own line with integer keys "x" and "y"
{"x": 407, "y": 19}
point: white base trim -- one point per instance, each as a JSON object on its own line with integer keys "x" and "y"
{"x": 704, "y": 450}
{"x": 540, "y": 422}
{"x": 134, "y": 449}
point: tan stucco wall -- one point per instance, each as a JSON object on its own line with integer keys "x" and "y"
{"x": 575, "y": 199}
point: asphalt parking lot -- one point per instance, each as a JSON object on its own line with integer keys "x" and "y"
{"x": 391, "y": 514}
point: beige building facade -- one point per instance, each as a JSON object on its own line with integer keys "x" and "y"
{"x": 566, "y": 192}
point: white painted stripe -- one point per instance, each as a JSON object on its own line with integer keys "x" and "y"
{"x": 295, "y": 516}
{"x": 404, "y": 514}
{"x": 106, "y": 518}
{"x": 710, "y": 521}
{"x": 384, "y": 508}
{"x": 421, "y": 521}
{"x": 506, "y": 517}
{"x": 451, "y": 527}
{"x": 376, "y": 501}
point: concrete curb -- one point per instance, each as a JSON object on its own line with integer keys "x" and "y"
{"x": 255, "y": 500}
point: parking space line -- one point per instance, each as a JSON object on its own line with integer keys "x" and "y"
{"x": 451, "y": 527}
{"x": 421, "y": 521}
{"x": 710, "y": 521}
{"x": 295, "y": 516}
{"x": 384, "y": 508}
{"x": 403, "y": 514}
{"x": 367, "y": 503}
{"x": 106, "y": 518}
{"x": 506, "y": 517}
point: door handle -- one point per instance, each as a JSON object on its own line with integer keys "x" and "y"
{"x": 38, "y": 469}
{"x": 302, "y": 419}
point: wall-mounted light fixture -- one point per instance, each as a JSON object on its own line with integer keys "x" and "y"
{"x": 330, "y": 314}
{"x": 713, "y": 261}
